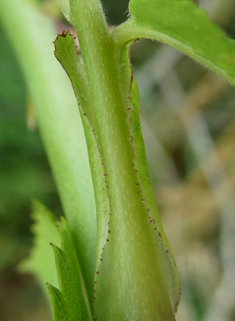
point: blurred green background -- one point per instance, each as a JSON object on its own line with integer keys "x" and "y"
{"x": 188, "y": 120}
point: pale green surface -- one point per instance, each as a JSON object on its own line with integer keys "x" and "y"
{"x": 135, "y": 278}
{"x": 41, "y": 261}
{"x": 32, "y": 35}
{"x": 183, "y": 26}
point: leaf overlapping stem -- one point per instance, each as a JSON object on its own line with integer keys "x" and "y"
{"x": 136, "y": 276}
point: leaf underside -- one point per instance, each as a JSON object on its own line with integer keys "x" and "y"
{"x": 182, "y": 25}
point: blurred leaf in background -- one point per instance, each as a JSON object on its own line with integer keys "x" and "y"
{"x": 188, "y": 120}
{"x": 25, "y": 175}
{"x": 24, "y": 170}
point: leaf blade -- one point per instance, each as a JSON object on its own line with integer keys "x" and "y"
{"x": 58, "y": 303}
{"x": 183, "y": 26}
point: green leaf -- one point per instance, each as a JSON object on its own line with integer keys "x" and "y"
{"x": 58, "y": 303}
{"x": 31, "y": 35}
{"x": 183, "y": 26}
{"x": 73, "y": 293}
{"x": 73, "y": 283}
{"x": 71, "y": 301}
{"x": 41, "y": 261}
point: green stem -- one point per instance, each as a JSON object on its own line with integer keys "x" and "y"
{"x": 130, "y": 251}
{"x": 107, "y": 102}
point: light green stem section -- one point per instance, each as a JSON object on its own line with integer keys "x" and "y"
{"x": 133, "y": 267}
{"x": 32, "y": 35}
